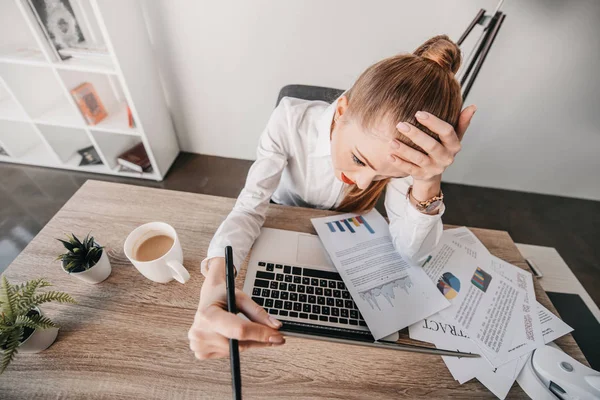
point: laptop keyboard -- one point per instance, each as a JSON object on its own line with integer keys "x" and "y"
{"x": 305, "y": 293}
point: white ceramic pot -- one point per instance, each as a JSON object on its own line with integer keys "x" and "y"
{"x": 99, "y": 272}
{"x": 39, "y": 340}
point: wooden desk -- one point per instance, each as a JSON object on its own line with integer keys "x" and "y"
{"x": 127, "y": 337}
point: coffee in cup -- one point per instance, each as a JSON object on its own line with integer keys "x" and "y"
{"x": 154, "y": 249}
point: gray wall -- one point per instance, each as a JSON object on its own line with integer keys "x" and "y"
{"x": 223, "y": 63}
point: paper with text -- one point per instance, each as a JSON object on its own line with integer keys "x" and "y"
{"x": 389, "y": 292}
{"x": 529, "y": 336}
{"x": 483, "y": 303}
{"x": 552, "y": 326}
{"x": 443, "y": 334}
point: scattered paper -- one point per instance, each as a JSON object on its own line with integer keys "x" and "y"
{"x": 552, "y": 326}
{"x": 483, "y": 303}
{"x": 528, "y": 336}
{"x": 465, "y": 239}
{"x": 538, "y": 325}
{"x": 448, "y": 336}
{"x": 389, "y": 292}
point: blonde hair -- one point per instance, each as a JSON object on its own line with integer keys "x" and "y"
{"x": 395, "y": 89}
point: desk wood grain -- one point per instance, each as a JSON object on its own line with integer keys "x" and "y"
{"x": 127, "y": 337}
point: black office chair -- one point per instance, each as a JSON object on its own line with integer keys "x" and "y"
{"x": 306, "y": 92}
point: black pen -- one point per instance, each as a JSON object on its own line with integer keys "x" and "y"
{"x": 234, "y": 351}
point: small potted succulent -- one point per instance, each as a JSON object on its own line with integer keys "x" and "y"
{"x": 85, "y": 259}
{"x": 23, "y": 326}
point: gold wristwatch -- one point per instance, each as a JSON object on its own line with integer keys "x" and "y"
{"x": 427, "y": 206}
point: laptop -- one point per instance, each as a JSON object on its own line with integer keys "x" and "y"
{"x": 291, "y": 276}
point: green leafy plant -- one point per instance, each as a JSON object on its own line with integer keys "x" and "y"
{"x": 81, "y": 255}
{"x": 19, "y": 317}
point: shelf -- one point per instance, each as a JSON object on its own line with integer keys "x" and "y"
{"x": 34, "y": 57}
{"x": 74, "y": 161}
{"x": 96, "y": 65}
{"x": 61, "y": 114}
{"x": 38, "y": 155}
{"x": 11, "y": 111}
{"x": 28, "y": 56}
{"x": 41, "y": 125}
{"x": 19, "y": 138}
{"x": 146, "y": 175}
{"x": 116, "y": 121}
{"x": 112, "y": 145}
{"x": 66, "y": 142}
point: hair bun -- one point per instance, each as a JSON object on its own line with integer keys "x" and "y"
{"x": 441, "y": 50}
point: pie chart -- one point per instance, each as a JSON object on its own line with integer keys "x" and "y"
{"x": 448, "y": 285}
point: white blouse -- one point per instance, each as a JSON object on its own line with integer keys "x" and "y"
{"x": 293, "y": 167}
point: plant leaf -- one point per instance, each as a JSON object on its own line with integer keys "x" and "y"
{"x": 24, "y": 302}
{"x": 68, "y": 245}
{"x": 25, "y": 321}
{"x": 4, "y": 334}
{"x": 12, "y": 348}
{"x": 8, "y": 299}
{"x": 42, "y": 322}
{"x": 60, "y": 297}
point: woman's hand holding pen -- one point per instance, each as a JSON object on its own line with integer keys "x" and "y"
{"x": 427, "y": 169}
{"x": 213, "y": 325}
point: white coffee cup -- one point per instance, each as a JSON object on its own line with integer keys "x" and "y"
{"x": 163, "y": 269}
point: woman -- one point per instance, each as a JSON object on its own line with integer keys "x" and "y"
{"x": 387, "y": 131}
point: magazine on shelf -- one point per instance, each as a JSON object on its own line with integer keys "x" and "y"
{"x": 57, "y": 20}
{"x": 60, "y": 26}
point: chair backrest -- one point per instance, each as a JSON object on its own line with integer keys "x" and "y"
{"x": 306, "y": 92}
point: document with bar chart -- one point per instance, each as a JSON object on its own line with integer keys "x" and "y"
{"x": 389, "y": 292}
{"x": 350, "y": 225}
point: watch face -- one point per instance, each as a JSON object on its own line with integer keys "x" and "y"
{"x": 433, "y": 205}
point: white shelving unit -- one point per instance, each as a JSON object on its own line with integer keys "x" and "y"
{"x": 40, "y": 123}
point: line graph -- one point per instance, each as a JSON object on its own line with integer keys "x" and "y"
{"x": 386, "y": 290}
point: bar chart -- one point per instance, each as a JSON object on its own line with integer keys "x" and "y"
{"x": 349, "y": 225}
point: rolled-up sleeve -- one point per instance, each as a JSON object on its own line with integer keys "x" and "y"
{"x": 242, "y": 226}
{"x": 414, "y": 234}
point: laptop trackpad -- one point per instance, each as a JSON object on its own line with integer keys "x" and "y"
{"x": 312, "y": 252}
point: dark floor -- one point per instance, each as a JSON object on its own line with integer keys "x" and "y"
{"x": 30, "y": 196}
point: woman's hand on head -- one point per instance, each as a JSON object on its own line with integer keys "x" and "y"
{"x": 430, "y": 166}
{"x": 213, "y": 325}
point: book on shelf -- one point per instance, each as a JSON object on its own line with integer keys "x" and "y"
{"x": 130, "y": 119}
{"x": 89, "y": 156}
{"x": 89, "y": 103}
{"x": 135, "y": 159}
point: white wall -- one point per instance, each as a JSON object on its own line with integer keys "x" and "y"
{"x": 536, "y": 129}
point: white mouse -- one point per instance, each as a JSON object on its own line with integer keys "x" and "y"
{"x": 564, "y": 376}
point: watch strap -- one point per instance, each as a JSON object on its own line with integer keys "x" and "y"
{"x": 428, "y": 205}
